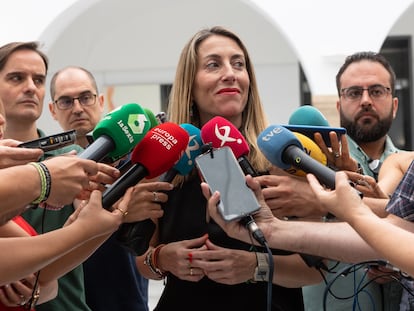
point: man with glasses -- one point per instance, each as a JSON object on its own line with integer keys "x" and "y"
{"x": 367, "y": 107}
{"x": 76, "y": 105}
{"x": 75, "y": 102}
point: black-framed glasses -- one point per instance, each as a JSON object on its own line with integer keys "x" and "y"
{"x": 376, "y": 92}
{"x": 66, "y": 102}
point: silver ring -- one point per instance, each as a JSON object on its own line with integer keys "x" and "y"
{"x": 191, "y": 271}
{"x": 336, "y": 155}
{"x": 155, "y": 194}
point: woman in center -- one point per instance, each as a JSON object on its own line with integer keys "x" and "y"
{"x": 203, "y": 268}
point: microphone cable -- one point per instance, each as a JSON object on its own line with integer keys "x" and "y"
{"x": 249, "y": 223}
{"x": 352, "y": 268}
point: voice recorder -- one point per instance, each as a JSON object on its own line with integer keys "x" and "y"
{"x": 51, "y": 142}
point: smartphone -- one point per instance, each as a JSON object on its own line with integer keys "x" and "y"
{"x": 51, "y": 142}
{"x": 309, "y": 130}
{"x": 220, "y": 169}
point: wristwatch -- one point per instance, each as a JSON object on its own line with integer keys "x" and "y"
{"x": 261, "y": 273}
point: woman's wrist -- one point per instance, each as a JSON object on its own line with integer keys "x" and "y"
{"x": 152, "y": 262}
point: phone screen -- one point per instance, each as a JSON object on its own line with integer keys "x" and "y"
{"x": 221, "y": 171}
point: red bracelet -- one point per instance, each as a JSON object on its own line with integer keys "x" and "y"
{"x": 154, "y": 260}
{"x": 151, "y": 262}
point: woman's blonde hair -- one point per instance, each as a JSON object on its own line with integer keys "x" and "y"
{"x": 182, "y": 109}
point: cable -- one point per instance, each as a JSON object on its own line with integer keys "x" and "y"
{"x": 359, "y": 289}
{"x": 258, "y": 235}
{"x": 254, "y": 229}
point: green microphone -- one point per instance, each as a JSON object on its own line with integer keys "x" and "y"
{"x": 117, "y": 133}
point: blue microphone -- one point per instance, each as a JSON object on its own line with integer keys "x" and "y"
{"x": 281, "y": 147}
{"x": 186, "y": 163}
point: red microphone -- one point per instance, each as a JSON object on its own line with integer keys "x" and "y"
{"x": 221, "y": 132}
{"x": 157, "y": 152}
{"x": 161, "y": 147}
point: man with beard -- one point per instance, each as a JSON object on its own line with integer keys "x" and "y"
{"x": 366, "y": 106}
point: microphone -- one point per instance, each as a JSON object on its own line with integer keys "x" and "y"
{"x": 308, "y": 120}
{"x": 281, "y": 147}
{"x": 221, "y": 132}
{"x": 312, "y": 150}
{"x": 117, "y": 133}
{"x": 308, "y": 115}
{"x": 166, "y": 140}
{"x": 186, "y": 162}
{"x": 127, "y": 163}
{"x": 157, "y": 152}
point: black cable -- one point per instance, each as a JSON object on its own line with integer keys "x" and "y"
{"x": 28, "y": 305}
{"x": 357, "y": 266}
{"x": 258, "y": 235}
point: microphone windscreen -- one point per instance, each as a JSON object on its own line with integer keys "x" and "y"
{"x": 221, "y": 132}
{"x": 311, "y": 149}
{"x": 126, "y": 126}
{"x": 160, "y": 148}
{"x": 308, "y": 115}
{"x": 151, "y": 118}
{"x": 193, "y": 149}
{"x": 273, "y": 141}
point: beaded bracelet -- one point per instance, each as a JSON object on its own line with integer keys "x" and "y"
{"x": 48, "y": 180}
{"x": 151, "y": 262}
{"x": 45, "y": 182}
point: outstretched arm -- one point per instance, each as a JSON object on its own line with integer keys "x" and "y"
{"x": 383, "y": 235}
{"x": 337, "y": 241}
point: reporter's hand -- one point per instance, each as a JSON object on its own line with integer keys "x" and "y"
{"x": 11, "y": 155}
{"x": 106, "y": 175}
{"x": 17, "y": 293}
{"x": 367, "y": 185}
{"x": 94, "y": 220}
{"x": 382, "y": 275}
{"x": 288, "y": 195}
{"x": 70, "y": 175}
{"x": 338, "y": 154}
{"x": 144, "y": 200}
{"x": 344, "y": 202}
{"x": 264, "y": 217}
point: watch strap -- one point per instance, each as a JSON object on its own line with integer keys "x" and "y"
{"x": 261, "y": 273}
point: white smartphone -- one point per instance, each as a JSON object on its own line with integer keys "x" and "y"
{"x": 221, "y": 171}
